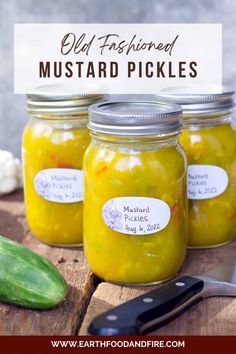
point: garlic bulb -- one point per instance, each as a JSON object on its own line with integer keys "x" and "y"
{"x": 10, "y": 172}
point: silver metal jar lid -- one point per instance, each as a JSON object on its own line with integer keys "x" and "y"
{"x": 200, "y": 99}
{"x": 135, "y": 118}
{"x": 63, "y": 99}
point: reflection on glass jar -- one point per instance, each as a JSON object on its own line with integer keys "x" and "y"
{"x": 135, "y": 200}
{"x": 54, "y": 142}
{"x": 209, "y": 140}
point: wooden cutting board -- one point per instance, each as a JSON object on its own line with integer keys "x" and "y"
{"x": 89, "y": 297}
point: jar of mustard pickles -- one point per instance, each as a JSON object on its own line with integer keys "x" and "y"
{"x": 209, "y": 140}
{"x": 54, "y": 142}
{"x": 135, "y": 199}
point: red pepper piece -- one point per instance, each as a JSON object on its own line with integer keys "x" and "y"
{"x": 103, "y": 169}
{"x": 54, "y": 157}
{"x": 175, "y": 211}
{"x": 65, "y": 165}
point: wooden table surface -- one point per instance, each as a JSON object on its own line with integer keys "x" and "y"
{"x": 88, "y": 296}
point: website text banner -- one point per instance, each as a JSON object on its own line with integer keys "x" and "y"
{"x": 118, "y": 345}
{"x": 121, "y": 58}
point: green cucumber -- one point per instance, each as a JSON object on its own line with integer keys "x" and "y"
{"x": 27, "y": 279}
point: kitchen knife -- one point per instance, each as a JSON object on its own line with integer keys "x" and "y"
{"x": 153, "y": 308}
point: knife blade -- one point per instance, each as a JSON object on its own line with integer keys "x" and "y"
{"x": 155, "y": 307}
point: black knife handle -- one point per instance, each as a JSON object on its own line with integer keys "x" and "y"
{"x": 136, "y": 315}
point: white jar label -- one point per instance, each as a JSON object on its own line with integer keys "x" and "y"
{"x": 60, "y": 185}
{"x": 136, "y": 215}
{"x": 206, "y": 181}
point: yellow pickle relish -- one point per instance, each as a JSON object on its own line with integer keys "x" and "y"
{"x": 209, "y": 140}
{"x": 135, "y": 192}
{"x": 54, "y": 142}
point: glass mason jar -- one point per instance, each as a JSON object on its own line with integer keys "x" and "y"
{"x": 135, "y": 196}
{"x": 54, "y": 142}
{"x": 209, "y": 140}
